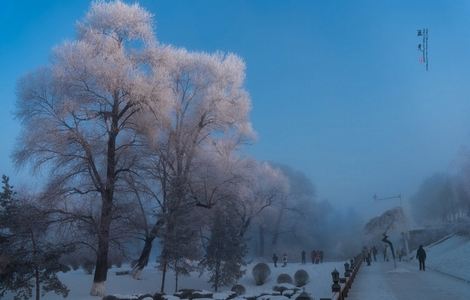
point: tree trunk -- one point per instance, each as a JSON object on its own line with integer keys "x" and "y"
{"x": 36, "y": 268}
{"x": 217, "y": 275}
{"x": 277, "y": 228}
{"x": 261, "y": 240}
{"x": 143, "y": 259}
{"x": 107, "y": 196}
{"x": 162, "y": 288}
{"x": 36, "y": 277}
{"x": 101, "y": 268}
{"x": 146, "y": 250}
{"x": 176, "y": 277}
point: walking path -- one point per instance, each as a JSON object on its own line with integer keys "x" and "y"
{"x": 382, "y": 281}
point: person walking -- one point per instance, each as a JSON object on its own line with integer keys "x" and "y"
{"x": 275, "y": 259}
{"x": 312, "y": 256}
{"x": 421, "y": 256}
{"x": 365, "y": 251}
{"x": 284, "y": 260}
{"x": 374, "y": 252}
{"x": 369, "y": 257}
{"x": 321, "y": 256}
{"x": 303, "y": 257}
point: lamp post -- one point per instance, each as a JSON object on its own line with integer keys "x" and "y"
{"x": 335, "y": 287}
{"x": 347, "y": 271}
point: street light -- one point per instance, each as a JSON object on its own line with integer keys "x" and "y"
{"x": 335, "y": 287}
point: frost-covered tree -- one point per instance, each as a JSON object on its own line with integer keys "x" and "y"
{"x": 441, "y": 198}
{"x": 391, "y": 220}
{"x": 185, "y": 229}
{"x": 6, "y": 202}
{"x": 32, "y": 256}
{"x": 260, "y": 187}
{"x": 225, "y": 251}
{"x": 81, "y": 114}
{"x": 208, "y": 105}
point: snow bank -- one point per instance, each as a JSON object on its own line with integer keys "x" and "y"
{"x": 79, "y": 282}
{"x": 451, "y": 256}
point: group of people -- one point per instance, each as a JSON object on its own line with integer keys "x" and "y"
{"x": 315, "y": 255}
{"x": 276, "y": 259}
{"x": 371, "y": 253}
{"x": 367, "y": 253}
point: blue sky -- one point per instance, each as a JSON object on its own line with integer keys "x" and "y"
{"x": 336, "y": 86}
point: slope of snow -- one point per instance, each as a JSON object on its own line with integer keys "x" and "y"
{"x": 451, "y": 256}
{"x": 79, "y": 282}
{"x": 406, "y": 282}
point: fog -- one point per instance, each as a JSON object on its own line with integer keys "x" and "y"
{"x": 339, "y": 98}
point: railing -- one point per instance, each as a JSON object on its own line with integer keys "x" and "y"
{"x": 342, "y": 285}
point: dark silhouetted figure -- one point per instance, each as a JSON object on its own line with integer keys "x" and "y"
{"x": 312, "y": 256}
{"x": 321, "y": 256}
{"x": 365, "y": 251}
{"x": 385, "y": 253}
{"x": 374, "y": 252}
{"x": 275, "y": 259}
{"x": 303, "y": 257}
{"x": 421, "y": 256}
{"x": 284, "y": 260}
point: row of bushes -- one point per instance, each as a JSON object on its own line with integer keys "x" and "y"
{"x": 261, "y": 272}
{"x": 285, "y": 290}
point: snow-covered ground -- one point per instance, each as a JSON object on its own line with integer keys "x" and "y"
{"x": 447, "y": 275}
{"x": 382, "y": 281}
{"x": 79, "y": 282}
{"x": 451, "y": 255}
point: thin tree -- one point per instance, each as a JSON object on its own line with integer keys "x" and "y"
{"x": 32, "y": 259}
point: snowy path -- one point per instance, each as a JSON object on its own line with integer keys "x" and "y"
{"x": 382, "y": 281}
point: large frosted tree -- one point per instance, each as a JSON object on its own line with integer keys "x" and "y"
{"x": 208, "y": 106}
{"x": 82, "y": 113}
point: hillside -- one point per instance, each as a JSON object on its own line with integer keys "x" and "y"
{"x": 450, "y": 255}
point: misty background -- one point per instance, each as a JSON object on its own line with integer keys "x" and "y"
{"x": 337, "y": 89}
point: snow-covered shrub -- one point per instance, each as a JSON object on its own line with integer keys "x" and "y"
{"x": 301, "y": 277}
{"x": 186, "y": 293}
{"x": 238, "y": 289}
{"x": 284, "y": 278}
{"x": 158, "y": 296}
{"x": 260, "y": 273}
{"x": 303, "y": 295}
{"x": 286, "y": 289}
{"x": 201, "y": 294}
